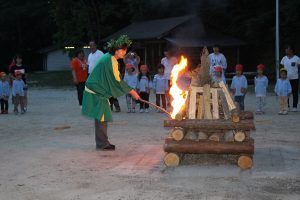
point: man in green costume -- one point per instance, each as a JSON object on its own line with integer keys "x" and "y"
{"x": 105, "y": 82}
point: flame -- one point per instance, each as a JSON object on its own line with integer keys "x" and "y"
{"x": 179, "y": 96}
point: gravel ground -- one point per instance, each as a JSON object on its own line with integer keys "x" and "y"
{"x": 49, "y": 154}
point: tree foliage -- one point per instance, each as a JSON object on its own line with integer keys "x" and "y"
{"x": 82, "y": 20}
{"x": 25, "y": 27}
{"x": 34, "y": 24}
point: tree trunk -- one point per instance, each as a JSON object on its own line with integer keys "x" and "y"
{"x": 207, "y": 124}
{"x": 246, "y": 115}
{"x": 209, "y": 147}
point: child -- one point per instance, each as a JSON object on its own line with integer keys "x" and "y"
{"x": 261, "y": 84}
{"x": 18, "y": 92}
{"x": 4, "y": 93}
{"x": 283, "y": 89}
{"x": 160, "y": 86}
{"x": 143, "y": 87}
{"x": 217, "y": 76}
{"x": 239, "y": 86}
{"x": 131, "y": 79}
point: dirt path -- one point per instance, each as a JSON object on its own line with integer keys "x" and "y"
{"x": 38, "y": 162}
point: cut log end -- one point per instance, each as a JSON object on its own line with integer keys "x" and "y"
{"x": 191, "y": 135}
{"x": 202, "y": 136}
{"x": 215, "y": 137}
{"x": 228, "y": 136}
{"x": 177, "y": 134}
{"x": 171, "y": 159}
{"x": 179, "y": 116}
{"x": 236, "y": 118}
{"x": 239, "y": 136}
{"x": 245, "y": 162}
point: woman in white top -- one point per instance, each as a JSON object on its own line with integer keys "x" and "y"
{"x": 169, "y": 61}
{"x": 217, "y": 59}
{"x": 291, "y": 63}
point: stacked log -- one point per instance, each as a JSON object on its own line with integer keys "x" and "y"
{"x": 194, "y": 136}
{"x": 209, "y": 147}
{"x": 212, "y": 123}
{"x": 177, "y": 133}
{"x": 172, "y": 159}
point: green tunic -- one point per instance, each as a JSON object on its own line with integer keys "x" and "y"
{"x": 104, "y": 82}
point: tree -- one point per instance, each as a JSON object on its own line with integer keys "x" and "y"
{"x": 25, "y": 27}
{"x": 79, "y": 21}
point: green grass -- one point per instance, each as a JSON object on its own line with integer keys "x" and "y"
{"x": 50, "y": 79}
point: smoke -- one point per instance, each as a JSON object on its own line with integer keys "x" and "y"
{"x": 188, "y": 7}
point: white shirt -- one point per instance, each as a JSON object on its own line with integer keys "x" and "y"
{"x": 217, "y": 60}
{"x": 160, "y": 84}
{"x": 291, "y": 65}
{"x": 239, "y": 82}
{"x": 261, "y": 84}
{"x": 169, "y": 64}
{"x": 283, "y": 87}
{"x": 93, "y": 58}
{"x": 144, "y": 85}
{"x": 131, "y": 80}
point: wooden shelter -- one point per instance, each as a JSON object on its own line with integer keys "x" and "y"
{"x": 188, "y": 33}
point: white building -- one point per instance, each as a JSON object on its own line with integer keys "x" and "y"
{"x": 55, "y": 59}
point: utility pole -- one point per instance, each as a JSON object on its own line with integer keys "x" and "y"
{"x": 277, "y": 40}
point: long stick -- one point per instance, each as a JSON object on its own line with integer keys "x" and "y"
{"x": 155, "y": 106}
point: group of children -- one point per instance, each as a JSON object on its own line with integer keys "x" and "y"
{"x": 239, "y": 87}
{"x": 17, "y": 90}
{"x": 143, "y": 84}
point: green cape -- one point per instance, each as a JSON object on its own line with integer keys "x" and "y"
{"x": 102, "y": 84}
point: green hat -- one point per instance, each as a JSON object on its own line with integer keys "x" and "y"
{"x": 122, "y": 42}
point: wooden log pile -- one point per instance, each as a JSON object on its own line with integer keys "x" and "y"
{"x": 213, "y": 124}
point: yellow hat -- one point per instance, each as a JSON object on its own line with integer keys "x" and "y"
{"x": 283, "y": 69}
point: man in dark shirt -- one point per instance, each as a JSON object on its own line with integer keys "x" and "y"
{"x": 18, "y": 67}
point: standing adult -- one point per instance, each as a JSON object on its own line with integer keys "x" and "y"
{"x": 12, "y": 63}
{"x": 291, "y": 63}
{"x": 18, "y": 67}
{"x": 103, "y": 83}
{"x": 94, "y": 56}
{"x": 217, "y": 59}
{"x": 168, "y": 62}
{"x": 79, "y": 73}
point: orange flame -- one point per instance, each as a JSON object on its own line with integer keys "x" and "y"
{"x": 179, "y": 96}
